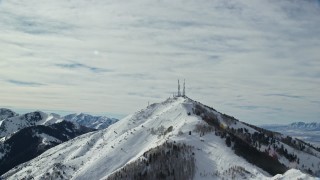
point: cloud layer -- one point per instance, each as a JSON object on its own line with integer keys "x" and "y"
{"x": 258, "y": 61}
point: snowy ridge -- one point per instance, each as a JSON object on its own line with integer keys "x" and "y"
{"x": 30, "y": 142}
{"x": 16, "y": 123}
{"x": 98, "y": 155}
{"x": 6, "y": 113}
{"x": 47, "y": 139}
{"x": 96, "y": 122}
{"x": 306, "y": 126}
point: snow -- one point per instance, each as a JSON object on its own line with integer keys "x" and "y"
{"x": 47, "y": 139}
{"x": 6, "y": 113}
{"x": 293, "y": 174}
{"x": 14, "y": 124}
{"x": 48, "y": 119}
{"x": 307, "y": 126}
{"x": 212, "y": 156}
{"x": 305, "y": 159}
{"x": 98, "y": 154}
{"x": 308, "y": 132}
{"x": 96, "y": 122}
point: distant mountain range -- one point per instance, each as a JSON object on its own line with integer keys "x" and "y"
{"x": 96, "y": 122}
{"x": 309, "y": 132}
{"x": 313, "y": 126}
{"x": 305, "y": 126}
{"x": 11, "y": 122}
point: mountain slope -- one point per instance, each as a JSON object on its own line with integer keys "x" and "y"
{"x": 6, "y": 113}
{"x": 214, "y": 145}
{"x": 96, "y": 122}
{"x": 13, "y": 124}
{"x": 32, "y": 141}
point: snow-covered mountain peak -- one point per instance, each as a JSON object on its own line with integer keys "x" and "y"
{"x": 6, "y": 113}
{"x": 96, "y": 122}
{"x": 191, "y": 140}
{"x": 41, "y": 118}
{"x": 13, "y": 124}
{"x": 55, "y": 115}
{"x": 34, "y": 116}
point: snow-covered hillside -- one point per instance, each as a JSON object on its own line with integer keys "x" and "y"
{"x": 13, "y": 124}
{"x": 96, "y": 122}
{"x": 214, "y": 146}
{"x": 30, "y": 142}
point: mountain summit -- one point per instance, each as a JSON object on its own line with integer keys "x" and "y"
{"x": 6, "y": 113}
{"x": 176, "y": 139}
{"x": 13, "y": 123}
{"x": 96, "y": 122}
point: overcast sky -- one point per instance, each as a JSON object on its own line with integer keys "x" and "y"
{"x": 257, "y": 60}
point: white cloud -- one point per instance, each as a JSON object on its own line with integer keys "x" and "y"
{"x": 115, "y": 56}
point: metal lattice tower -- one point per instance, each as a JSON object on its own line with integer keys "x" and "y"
{"x": 184, "y": 88}
{"x": 179, "y": 93}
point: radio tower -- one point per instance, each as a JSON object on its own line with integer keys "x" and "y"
{"x": 184, "y": 88}
{"x": 179, "y": 93}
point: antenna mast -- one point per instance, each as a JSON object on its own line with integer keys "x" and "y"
{"x": 184, "y": 88}
{"x": 179, "y": 94}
